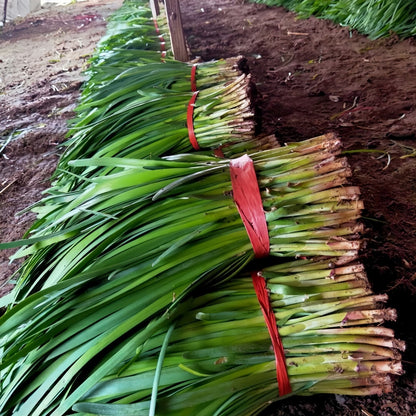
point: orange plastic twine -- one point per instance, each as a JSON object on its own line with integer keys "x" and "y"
{"x": 156, "y": 26}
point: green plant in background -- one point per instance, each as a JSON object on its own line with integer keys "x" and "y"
{"x": 375, "y": 18}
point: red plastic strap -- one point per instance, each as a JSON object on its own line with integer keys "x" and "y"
{"x": 263, "y": 297}
{"x": 156, "y": 26}
{"x": 193, "y": 78}
{"x": 161, "y": 40}
{"x": 219, "y": 153}
{"x": 190, "y": 121}
{"x": 247, "y": 197}
{"x": 162, "y": 43}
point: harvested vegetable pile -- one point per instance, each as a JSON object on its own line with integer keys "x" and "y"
{"x": 122, "y": 244}
{"x": 375, "y": 18}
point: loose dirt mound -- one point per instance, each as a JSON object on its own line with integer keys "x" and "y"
{"x": 311, "y": 77}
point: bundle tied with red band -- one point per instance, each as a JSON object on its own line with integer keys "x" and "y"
{"x": 156, "y": 232}
{"x": 305, "y": 203}
{"x": 156, "y": 26}
{"x": 190, "y": 114}
{"x": 330, "y": 356}
{"x": 217, "y": 114}
{"x": 218, "y": 349}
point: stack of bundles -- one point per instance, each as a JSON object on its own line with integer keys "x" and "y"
{"x": 148, "y": 112}
{"x": 148, "y": 108}
{"x": 114, "y": 264}
{"x": 133, "y": 38}
{"x": 137, "y": 248}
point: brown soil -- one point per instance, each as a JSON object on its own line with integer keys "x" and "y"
{"x": 311, "y": 77}
{"x": 41, "y": 60}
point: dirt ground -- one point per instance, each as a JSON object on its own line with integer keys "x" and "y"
{"x": 311, "y": 77}
{"x": 41, "y": 63}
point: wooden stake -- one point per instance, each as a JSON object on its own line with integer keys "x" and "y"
{"x": 154, "y": 5}
{"x": 177, "y": 38}
{"x": 5, "y": 12}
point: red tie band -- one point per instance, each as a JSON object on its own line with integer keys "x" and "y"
{"x": 190, "y": 121}
{"x": 246, "y": 194}
{"x": 263, "y": 297}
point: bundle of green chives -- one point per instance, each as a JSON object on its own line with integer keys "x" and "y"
{"x": 132, "y": 27}
{"x": 303, "y": 188}
{"x": 110, "y": 265}
{"x": 146, "y": 123}
{"x": 172, "y": 75}
{"x": 217, "y": 357}
{"x": 133, "y": 38}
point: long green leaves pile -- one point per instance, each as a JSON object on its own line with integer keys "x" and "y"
{"x": 139, "y": 109}
{"x": 217, "y": 358}
{"x": 301, "y": 181}
{"x": 112, "y": 263}
{"x": 375, "y": 18}
{"x": 133, "y": 297}
{"x": 139, "y": 121}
